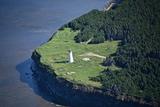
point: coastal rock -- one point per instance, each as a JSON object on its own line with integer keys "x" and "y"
{"x": 76, "y": 94}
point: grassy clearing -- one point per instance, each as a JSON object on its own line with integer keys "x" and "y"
{"x": 55, "y": 54}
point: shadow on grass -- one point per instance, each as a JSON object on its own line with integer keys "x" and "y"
{"x": 61, "y": 62}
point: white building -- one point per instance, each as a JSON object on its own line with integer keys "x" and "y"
{"x": 71, "y": 60}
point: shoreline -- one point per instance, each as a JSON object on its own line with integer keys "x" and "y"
{"x": 104, "y": 97}
{"x": 67, "y": 89}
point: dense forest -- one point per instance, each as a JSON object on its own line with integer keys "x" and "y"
{"x": 137, "y": 24}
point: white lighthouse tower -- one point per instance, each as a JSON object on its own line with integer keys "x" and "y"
{"x": 71, "y": 60}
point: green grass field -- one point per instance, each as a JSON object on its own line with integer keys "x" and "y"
{"x": 55, "y": 54}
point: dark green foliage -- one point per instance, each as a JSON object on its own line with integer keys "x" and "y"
{"x": 137, "y": 24}
{"x": 98, "y": 39}
{"x": 108, "y": 62}
{"x": 90, "y": 26}
{"x": 85, "y": 35}
{"x": 139, "y": 53}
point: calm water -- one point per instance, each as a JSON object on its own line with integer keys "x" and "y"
{"x": 24, "y": 25}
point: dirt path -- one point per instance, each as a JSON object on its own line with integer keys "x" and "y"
{"x": 109, "y": 7}
{"x": 93, "y": 54}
